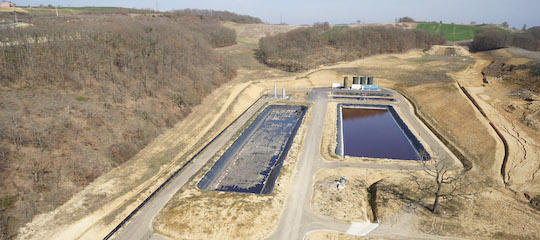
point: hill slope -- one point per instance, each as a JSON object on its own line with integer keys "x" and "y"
{"x": 82, "y": 95}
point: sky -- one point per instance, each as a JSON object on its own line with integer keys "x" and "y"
{"x": 297, "y": 12}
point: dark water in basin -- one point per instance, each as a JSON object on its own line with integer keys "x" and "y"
{"x": 374, "y": 133}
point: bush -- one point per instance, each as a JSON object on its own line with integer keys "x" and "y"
{"x": 121, "y": 152}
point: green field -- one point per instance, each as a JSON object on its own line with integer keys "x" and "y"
{"x": 453, "y": 32}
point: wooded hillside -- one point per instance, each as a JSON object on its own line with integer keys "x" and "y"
{"x": 82, "y": 95}
{"x": 306, "y": 48}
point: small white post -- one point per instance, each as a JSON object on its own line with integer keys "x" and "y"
{"x": 284, "y": 93}
{"x": 56, "y": 10}
{"x": 275, "y": 90}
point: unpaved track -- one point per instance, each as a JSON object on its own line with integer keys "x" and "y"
{"x": 140, "y": 227}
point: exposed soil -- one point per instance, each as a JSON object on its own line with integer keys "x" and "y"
{"x": 514, "y": 115}
{"x": 350, "y": 204}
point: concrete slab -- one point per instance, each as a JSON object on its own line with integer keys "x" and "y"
{"x": 361, "y": 229}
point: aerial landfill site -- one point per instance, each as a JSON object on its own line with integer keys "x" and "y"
{"x": 155, "y": 123}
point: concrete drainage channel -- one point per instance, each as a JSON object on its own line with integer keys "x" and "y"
{"x": 254, "y": 160}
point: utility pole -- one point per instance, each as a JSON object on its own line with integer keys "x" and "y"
{"x": 280, "y": 18}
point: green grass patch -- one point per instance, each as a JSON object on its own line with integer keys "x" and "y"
{"x": 82, "y": 99}
{"x": 7, "y": 202}
{"x": 454, "y": 32}
{"x": 330, "y": 34}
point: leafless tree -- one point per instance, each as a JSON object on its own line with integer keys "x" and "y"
{"x": 442, "y": 181}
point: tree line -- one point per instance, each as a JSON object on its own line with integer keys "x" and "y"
{"x": 224, "y": 16}
{"x": 306, "y": 48}
{"x": 493, "y": 39}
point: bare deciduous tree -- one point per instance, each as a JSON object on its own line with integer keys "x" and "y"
{"x": 442, "y": 181}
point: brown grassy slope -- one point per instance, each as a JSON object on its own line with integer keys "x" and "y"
{"x": 80, "y": 98}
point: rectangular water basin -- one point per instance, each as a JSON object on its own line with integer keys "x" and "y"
{"x": 376, "y": 131}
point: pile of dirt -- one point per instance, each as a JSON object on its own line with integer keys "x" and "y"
{"x": 447, "y": 51}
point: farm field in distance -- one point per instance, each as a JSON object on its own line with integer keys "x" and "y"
{"x": 454, "y": 32}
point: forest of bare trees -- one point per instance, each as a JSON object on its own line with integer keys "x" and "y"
{"x": 306, "y": 48}
{"x": 82, "y": 95}
{"x": 224, "y": 16}
{"x": 494, "y": 39}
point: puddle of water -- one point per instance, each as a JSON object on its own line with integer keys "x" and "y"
{"x": 374, "y": 133}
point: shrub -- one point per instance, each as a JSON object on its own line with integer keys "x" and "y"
{"x": 121, "y": 152}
